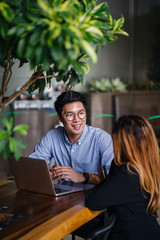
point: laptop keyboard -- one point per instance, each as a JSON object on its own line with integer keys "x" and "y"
{"x": 58, "y": 190}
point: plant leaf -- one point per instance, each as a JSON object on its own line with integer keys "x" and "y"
{"x": 5, "y": 123}
{"x": 6, "y": 11}
{"x": 6, "y": 151}
{"x": 11, "y": 144}
{"x": 3, "y": 134}
{"x": 21, "y": 48}
{"x": 21, "y": 129}
{"x": 2, "y": 145}
{"x": 89, "y": 50}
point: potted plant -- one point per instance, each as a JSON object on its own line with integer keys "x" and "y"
{"x": 107, "y": 85}
{"x": 55, "y": 37}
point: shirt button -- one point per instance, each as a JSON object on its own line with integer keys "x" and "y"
{"x": 72, "y": 150}
{"x": 79, "y": 143}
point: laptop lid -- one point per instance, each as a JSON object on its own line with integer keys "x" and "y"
{"x": 33, "y": 175}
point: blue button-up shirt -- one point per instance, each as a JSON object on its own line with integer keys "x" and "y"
{"x": 92, "y": 150}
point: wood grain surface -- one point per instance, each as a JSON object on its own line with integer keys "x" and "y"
{"x": 42, "y": 216}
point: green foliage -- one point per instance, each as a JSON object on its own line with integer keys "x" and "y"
{"x": 8, "y": 143}
{"x": 117, "y": 85}
{"x": 107, "y": 85}
{"x": 56, "y": 35}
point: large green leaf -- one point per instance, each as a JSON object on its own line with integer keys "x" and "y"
{"x": 6, "y": 151}
{"x": 8, "y": 124}
{"x": 8, "y": 143}
{"x": 12, "y": 31}
{"x": 2, "y": 145}
{"x": 3, "y": 29}
{"x": 77, "y": 67}
{"x": 44, "y": 5}
{"x": 119, "y": 23}
{"x": 11, "y": 144}
{"x": 6, "y": 11}
{"x": 21, "y": 129}
{"x": 102, "y": 7}
{"x": 89, "y": 50}
{"x": 95, "y": 31}
{"x": 3, "y": 134}
{"x": 21, "y": 48}
{"x": 85, "y": 66}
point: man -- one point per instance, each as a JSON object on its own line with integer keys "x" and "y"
{"x": 82, "y": 153}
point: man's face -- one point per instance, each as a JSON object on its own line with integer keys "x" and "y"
{"x": 73, "y": 119}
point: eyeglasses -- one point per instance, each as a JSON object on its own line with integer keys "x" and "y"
{"x": 71, "y": 116}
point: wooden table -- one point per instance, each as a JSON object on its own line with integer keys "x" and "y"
{"x": 44, "y": 217}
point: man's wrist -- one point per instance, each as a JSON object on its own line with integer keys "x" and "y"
{"x": 86, "y": 176}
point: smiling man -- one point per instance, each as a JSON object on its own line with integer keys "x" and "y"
{"x": 82, "y": 153}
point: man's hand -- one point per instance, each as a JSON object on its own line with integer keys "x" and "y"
{"x": 68, "y": 172}
{"x": 53, "y": 172}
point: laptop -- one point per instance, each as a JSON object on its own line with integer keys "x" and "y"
{"x": 33, "y": 175}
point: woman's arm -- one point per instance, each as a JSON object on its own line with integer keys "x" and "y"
{"x": 120, "y": 188}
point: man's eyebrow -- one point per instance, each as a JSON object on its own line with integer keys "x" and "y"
{"x": 70, "y": 111}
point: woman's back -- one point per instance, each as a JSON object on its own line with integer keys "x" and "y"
{"x": 133, "y": 221}
{"x": 132, "y": 189}
{"x": 121, "y": 194}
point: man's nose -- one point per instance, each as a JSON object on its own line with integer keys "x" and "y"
{"x": 76, "y": 118}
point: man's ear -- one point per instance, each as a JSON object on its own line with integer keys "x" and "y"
{"x": 59, "y": 118}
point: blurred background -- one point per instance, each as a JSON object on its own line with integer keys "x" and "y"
{"x": 133, "y": 62}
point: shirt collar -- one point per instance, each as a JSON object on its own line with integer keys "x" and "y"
{"x": 80, "y": 140}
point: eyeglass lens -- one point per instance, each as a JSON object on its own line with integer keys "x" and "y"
{"x": 71, "y": 116}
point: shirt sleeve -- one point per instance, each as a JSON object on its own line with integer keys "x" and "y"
{"x": 122, "y": 187}
{"x": 105, "y": 145}
{"x": 43, "y": 148}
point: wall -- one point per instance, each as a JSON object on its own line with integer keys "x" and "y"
{"x": 105, "y": 108}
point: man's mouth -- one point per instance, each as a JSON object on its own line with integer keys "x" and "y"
{"x": 77, "y": 126}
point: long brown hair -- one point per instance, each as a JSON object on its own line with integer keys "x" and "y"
{"x": 135, "y": 145}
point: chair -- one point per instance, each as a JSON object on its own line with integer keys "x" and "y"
{"x": 102, "y": 232}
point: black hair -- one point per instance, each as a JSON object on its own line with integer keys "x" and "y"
{"x": 69, "y": 97}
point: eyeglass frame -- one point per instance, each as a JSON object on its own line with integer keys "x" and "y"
{"x": 75, "y": 115}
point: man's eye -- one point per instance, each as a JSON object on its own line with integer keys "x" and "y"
{"x": 81, "y": 113}
{"x": 70, "y": 114}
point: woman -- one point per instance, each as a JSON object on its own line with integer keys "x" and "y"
{"x": 132, "y": 189}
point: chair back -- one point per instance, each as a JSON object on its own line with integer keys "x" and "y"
{"x": 103, "y": 231}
